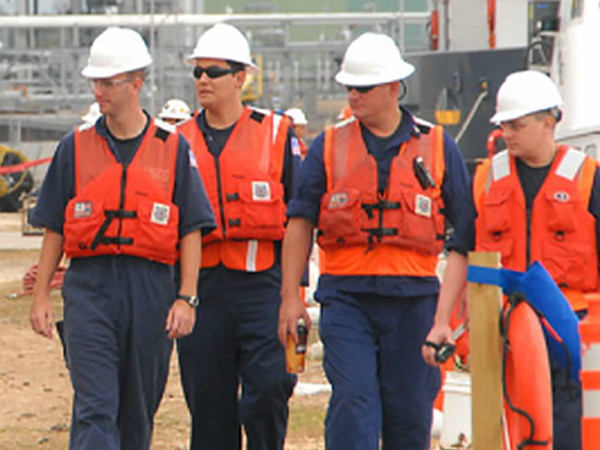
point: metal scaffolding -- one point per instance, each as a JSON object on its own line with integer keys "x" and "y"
{"x": 42, "y": 56}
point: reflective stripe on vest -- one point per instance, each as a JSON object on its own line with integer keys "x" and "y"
{"x": 245, "y": 190}
{"x": 363, "y": 232}
{"x": 120, "y": 209}
{"x": 562, "y": 236}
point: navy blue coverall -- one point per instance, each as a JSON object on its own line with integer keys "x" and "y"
{"x": 115, "y": 310}
{"x": 373, "y": 327}
{"x": 235, "y": 341}
{"x": 566, "y": 393}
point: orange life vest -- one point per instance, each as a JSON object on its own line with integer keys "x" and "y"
{"x": 245, "y": 190}
{"x": 365, "y": 233}
{"x": 120, "y": 209}
{"x": 562, "y": 231}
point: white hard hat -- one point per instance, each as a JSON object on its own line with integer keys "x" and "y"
{"x": 297, "y": 115}
{"x": 224, "y": 41}
{"x": 524, "y": 93}
{"x": 114, "y": 51}
{"x": 92, "y": 113}
{"x": 175, "y": 109}
{"x": 373, "y": 59}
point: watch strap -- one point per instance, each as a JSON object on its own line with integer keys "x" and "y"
{"x": 192, "y": 300}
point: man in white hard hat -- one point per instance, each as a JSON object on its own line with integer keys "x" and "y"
{"x": 175, "y": 111}
{"x": 549, "y": 213}
{"x": 123, "y": 199}
{"x": 299, "y": 123}
{"x": 375, "y": 186}
{"x": 248, "y": 159}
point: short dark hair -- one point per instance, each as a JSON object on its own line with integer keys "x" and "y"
{"x": 555, "y": 113}
{"x": 236, "y": 66}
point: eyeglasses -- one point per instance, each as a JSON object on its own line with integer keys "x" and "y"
{"x": 360, "y": 89}
{"x": 107, "y": 84}
{"x": 212, "y": 72}
{"x": 516, "y": 125}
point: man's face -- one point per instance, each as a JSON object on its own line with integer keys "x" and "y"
{"x": 300, "y": 131}
{"x": 525, "y": 135}
{"x": 113, "y": 92}
{"x": 216, "y": 82}
{"x": 367, "y": 101}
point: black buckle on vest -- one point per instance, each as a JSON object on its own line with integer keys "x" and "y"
{"x": 379, "y": 233}
{"x": 100, "y": 237}
{"x": 117, "y": 240}
{"x": 235, "y": 222}
{"x": 380, "y": 206}
{"x": 232, "y": 197}
{"x": 120, "y": 214}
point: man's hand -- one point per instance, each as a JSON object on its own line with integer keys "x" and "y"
{"x": 291, "y": 310}
{"x": 439, "y": 334}
{"x": 181, "y": 319}
{"x": 40, "y": 315}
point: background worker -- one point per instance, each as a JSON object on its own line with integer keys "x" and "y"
{"x": 535, "y": 201}
{"x": 247, "y": 161}
{"x": 381, "y": 231}
{"x": 120, "y": 213}
{"x": 299, "y": 123}
{"x": 175, "y": 111}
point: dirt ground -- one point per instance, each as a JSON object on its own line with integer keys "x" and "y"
{"x": 35, "y": 391}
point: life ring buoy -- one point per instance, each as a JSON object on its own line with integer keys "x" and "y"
{"x": 495, "y": 142}
{"x": 527, "y": 400}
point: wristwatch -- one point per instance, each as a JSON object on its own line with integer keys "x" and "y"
{"x": 192, "y": 300}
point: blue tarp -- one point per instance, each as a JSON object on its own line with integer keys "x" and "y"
{"x": 540, "y": 290}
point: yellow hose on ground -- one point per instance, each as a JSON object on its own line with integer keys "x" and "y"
{"x": 5, "y": 189}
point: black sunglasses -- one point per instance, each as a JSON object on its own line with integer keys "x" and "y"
{"x": 212, "y": 72}
{"x": 361, "y": 89}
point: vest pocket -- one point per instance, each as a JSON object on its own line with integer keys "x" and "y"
{"x": 561, "y": 212}
{"x": 503, "y": 246}
{"x": 572, "y": 265}
{"x": 422, "y": 225}
{"x": 256, "y": 210}
{"x": 495, "y": 213}
{"x": 83, "y": 219}
{"x": 155, "y": 232}
{"x": 341, "y": 219}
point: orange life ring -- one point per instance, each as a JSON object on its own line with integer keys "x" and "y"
{"x": 527, "y": 399}
{"x": 493, "y": 140}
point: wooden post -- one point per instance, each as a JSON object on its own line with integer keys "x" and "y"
{"x": 485, "y": 364}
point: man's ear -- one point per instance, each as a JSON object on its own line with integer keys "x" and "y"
{"x": 137, "y": 83}
{"x": 240, "y": 78}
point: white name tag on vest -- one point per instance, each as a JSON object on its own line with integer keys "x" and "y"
{"x": 82, "y": 210}
{"x": 261, "y": 191}
{"x": 423, "y": 205}
{"x": 160, "y": 214}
